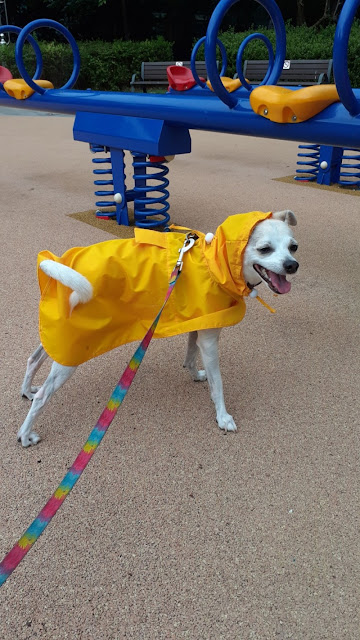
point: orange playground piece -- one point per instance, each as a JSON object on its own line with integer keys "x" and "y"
{"x": 229, "y": 83}
{"x": 17, "y": 88}
{"x": 279, "y": 104}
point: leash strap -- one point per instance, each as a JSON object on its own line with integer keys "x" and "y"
{"x": 20, "y": 549}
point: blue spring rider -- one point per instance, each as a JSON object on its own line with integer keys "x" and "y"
{"x": 153, "y": 127}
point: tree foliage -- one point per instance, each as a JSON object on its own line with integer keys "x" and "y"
{"x": 178, "y": 21}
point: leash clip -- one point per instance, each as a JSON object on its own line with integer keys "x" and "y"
{"x": 188, "y": 244}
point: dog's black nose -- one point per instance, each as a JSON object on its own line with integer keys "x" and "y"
{"x": 291, "y": 266}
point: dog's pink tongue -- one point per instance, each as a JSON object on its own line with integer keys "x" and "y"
{"x": 280, "y": 283}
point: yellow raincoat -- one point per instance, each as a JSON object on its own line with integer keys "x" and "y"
{"x": 130, "y": 279}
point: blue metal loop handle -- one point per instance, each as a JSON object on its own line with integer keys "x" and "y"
{"x": 340, "y": 57}
{"x": 10, "y": 28}
{"x": 193, "y": 60}
{"x": 37, "y": 24}
{"x": 210, "y": 46}
{"x": 254, "y": 36}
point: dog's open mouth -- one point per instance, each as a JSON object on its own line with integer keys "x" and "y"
{"x": 275, "y": 281}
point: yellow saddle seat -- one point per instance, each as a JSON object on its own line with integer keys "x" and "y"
{"x": 17, "y": 88}
{"x": 229, "y": 83}
{"x": 279, "y": 104}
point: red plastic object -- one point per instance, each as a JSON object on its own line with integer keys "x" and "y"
{"x": 105, "y": 216}
{"x": 5, "y": 74}
{"x": 157, "y": 158}
{"x": 181, "y": 78}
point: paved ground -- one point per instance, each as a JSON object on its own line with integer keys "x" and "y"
{"x": 176, "y": 530}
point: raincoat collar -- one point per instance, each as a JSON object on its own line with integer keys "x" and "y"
{"x": 224, "y": 255}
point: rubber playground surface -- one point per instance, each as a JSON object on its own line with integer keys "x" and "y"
{"x": 176, "y": 530}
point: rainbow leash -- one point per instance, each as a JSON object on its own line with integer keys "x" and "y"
{"x": 20, "y": 549}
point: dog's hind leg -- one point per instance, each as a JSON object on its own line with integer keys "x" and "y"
{"x": 191, "y": 356}
{"x": 56, "y": 378}
{"x": 33, "y": 365}
{"x": 208, "y": 342}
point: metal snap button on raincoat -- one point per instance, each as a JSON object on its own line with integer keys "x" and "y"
{"x": 130, "y": 279}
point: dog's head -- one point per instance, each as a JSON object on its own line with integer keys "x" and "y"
{"x": 269, "y": 254}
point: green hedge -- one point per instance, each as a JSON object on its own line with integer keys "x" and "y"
{"x": 305, "y": 43}
{"x": 105, "y": 66}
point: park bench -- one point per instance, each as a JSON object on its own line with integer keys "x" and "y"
{"x": 153, "y": 74}
{"x": 294, "y": 73}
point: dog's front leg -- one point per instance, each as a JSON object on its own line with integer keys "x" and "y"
{"x": 191, "y": 356}
{"x": 208, "y": 342}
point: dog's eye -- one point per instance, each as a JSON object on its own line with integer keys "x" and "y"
{"x": 265, "y": 250}
{"x": 293, "y": 248}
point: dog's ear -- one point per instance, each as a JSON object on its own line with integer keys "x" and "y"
{"x": 286, "y": 216}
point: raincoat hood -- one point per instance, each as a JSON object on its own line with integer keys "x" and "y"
{"x": 225, "y": 253}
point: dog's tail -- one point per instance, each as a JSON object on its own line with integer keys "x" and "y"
{"x": 82, "y": 290}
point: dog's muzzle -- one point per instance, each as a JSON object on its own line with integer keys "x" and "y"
{"x": 276, "y": 281}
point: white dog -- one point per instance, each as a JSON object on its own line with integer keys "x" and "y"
{"x": 268, "y": 257}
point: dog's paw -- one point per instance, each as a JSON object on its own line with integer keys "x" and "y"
{"x": 200, "y": 376}
{"x": 30, "y": 395}
{"x": 226, "y": 422}
{"x": 197, "y": 375}
{"x": 28, "y": 440}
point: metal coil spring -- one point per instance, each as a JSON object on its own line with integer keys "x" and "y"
{"x": 102, "y": 206}
{"x": 353, "y": 176}
{"x": 147, "y": 213}
{"x": 311, "y": 171}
